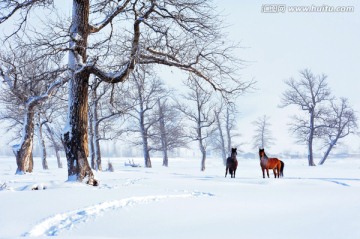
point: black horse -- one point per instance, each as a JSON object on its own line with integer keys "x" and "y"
{"x": 231, "y": 163}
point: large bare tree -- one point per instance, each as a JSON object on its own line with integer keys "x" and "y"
{"x": 105, "y": 117}
{"x": 199, "y": 109}
{"x": 340, "y": 122}
{"x": 109, "y": 38}
{"x": 29, "y": 81}
{"x": 308, "y": 93}
{"x": 147, "y": 90}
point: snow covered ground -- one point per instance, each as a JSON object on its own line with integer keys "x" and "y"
{"x": 182, "y": 202}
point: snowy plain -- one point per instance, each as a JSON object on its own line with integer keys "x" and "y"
{"x": 182, "y": 202}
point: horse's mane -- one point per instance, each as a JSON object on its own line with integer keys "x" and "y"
{"x": 262, "y": 150}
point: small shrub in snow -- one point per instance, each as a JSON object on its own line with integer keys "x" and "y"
{"x": 38, "y": 187}
{"x": 3, "y": 186}
{"x": 110, "y": 167}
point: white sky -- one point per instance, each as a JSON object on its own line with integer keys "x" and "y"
{"x": 277, "y": 46}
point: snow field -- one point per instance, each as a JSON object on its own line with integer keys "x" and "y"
{"x": 182, "y": 202}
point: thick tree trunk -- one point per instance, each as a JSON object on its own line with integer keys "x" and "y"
{"x": 42, "y": 145}
{"x": 23, "y": 151}
{"x": 55, "y": 144}
{"x": 75, "y": 136}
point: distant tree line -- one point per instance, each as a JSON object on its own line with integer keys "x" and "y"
{"x": 141, "y": 112}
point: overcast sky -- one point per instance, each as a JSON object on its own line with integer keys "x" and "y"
{"x": 278, "y": 45}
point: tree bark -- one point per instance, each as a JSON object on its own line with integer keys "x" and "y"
{"x": 23, "y": 151}
{"x": 75, "y": 135}
{"x": 76, "y": 138}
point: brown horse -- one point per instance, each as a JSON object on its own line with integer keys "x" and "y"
{"x": 231, "y": 163}
{"x": 267, "y": 163}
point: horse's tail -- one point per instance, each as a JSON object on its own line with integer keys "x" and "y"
{"x": 282, "y": 169}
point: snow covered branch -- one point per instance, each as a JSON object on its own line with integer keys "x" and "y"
{"x": 108, "y": 19}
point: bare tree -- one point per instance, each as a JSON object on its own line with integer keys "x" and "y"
{"x": 308, "y": 93}
{"x": 199, "y": 110}
{"x": 230, "y": 126}
{"x": 341, "y": 121}
{"x": 184, "y": 34}
{"x": 169, "y": 132}
{"x": 105, "y": 112}
{"x": 51, "y": 115}
{"x": 147, "y": 90}
{"x": 263, "y": 137}
{"x": 225, "y": 116}
{"x": 56, "y": 143}
{"x": 163, "y": 134}
{"x": 30, "y": 81}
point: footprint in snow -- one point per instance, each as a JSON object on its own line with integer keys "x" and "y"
{"x": 53, "y": 225}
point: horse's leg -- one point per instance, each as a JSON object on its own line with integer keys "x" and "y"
{"x": 267, "y": 171}
{"x": 226, "y": 170}
{"x": 279, "y": 169}
{"x": 263, "y": 171}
